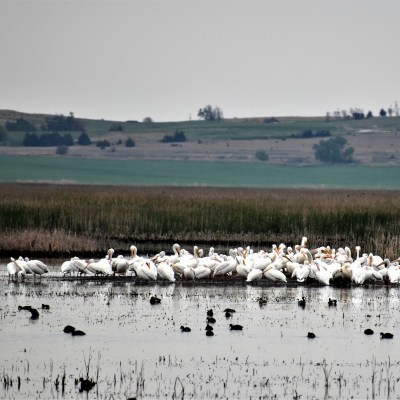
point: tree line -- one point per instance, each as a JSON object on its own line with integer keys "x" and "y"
{"x": 358, "y": 113}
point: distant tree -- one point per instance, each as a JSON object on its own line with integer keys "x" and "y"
{"x": 390, "y": 111}
{"x": 369, "y": 115}
{"x": 328, "y": 116}
{"x": 83, "y": 139}
{"x": 382, "y": 113}
{"x": 262, "y": 155}
{"x": 31, "y": 139}
{"x": 147, "y": 120}
{"x": 115, "y": 127}
{"x": 396, "y": 109}
{"x": 62, "y": 150}
{"x": 20, "y": 125}
{"x": 179, "y": 136}
{"x": 3, "y": 134}
{"x": 103, "y": 144}
{"x": 209, "y": 113}
{"x": 333, "y": 150}
{"x": 62, "y": 123}
{"x": 130, "y": 142}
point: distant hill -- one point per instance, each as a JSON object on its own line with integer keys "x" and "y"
{"x": 286, "y": 140}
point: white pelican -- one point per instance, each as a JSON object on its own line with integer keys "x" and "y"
{"x": 202, "y": 272}
{"x": 274, "y": 275}
{"x": 254, "y": 275}
{"x": 301, "y": 272}
{"x": 164, "y": 269}
{"x": 134, "y": 260}
{"x": 228, "y": 265}
{"x": 102, "y": 266}
{"x": 37, "y": 267}
{"x": 321, "y": 274}
{"x": 147, "y": 270}
{"x": 119, "y": 265}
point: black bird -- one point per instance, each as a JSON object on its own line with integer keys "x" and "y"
{"x": 86, "y": 384}
{"x": 34, "y": 313}
{"x": 209, "y": 333}
{"x": 24, "y": 308}
{"x": 185, "y": 329}
{"x": 45, "y": 307}
{"x": 228, "y": 314}
{"x": 369, "y": 332}
{"x": 332, "y": 302}
{"x": 229, "y": 310}
{"x": 69, "y": 329}
{"x": 210, "y": 313}
{"x": 155, "y": 300}
{"x": 261, "y": 301}
{"x": 77, "y": 332}
{"x": 386, "y": 335}
{"x": 211, "y": 320}
{"x": 302, "y": 302}
{"x": 235, "y": 327}
{"x": 311, "y": 335}
{"x": 209, "y": 328}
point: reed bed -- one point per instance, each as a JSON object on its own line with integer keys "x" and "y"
{"x": 63, "y": 219}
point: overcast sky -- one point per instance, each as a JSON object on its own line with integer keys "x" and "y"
{"x": 165, "y": 59}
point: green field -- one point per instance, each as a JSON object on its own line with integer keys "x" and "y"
{"x": 186, "y": 173}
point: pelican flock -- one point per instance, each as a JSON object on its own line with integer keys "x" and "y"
{"x": 282, "y": 263}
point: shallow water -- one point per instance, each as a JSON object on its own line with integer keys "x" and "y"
{"x": 139, "y": 350}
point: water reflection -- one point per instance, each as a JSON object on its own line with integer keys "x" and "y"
{"x": 270, "y": 357}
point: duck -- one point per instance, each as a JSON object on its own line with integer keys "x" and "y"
{"x": 311, "y": 335}
{"x": 34, "y": 313}
{"x": 210, "y": 313}
{"x": 86, "y": 384}
{"x": 368, "y": 331}
{"x": 332, "y": 302}
{"x": 386, "y": 335}
{"x": 229, "y": 310}
{"x": 211, "y": 320}
{"x": 302, "y": 302}
{"x": 209, "y": 327}
{"x": 155, "y": 300}
{"x": 45, "y": 307}
{"x": 185, "y": 329}
{"x": 77, "y": 332}
{"x": 209, "y": 333}
{"x": 68, "y": 329}
{"x": 235, "y": 327}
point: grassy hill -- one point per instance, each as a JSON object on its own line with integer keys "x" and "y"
{"x": 215, "y": 153}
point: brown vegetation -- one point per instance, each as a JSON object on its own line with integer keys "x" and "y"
{"x": 60, "y": 220}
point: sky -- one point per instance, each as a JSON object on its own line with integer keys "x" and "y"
{"x": 127, "y": 60}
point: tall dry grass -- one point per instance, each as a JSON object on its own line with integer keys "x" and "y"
{"x": 78, "y": 219}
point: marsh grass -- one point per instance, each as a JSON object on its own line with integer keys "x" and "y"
{"x": 60, "y": 219}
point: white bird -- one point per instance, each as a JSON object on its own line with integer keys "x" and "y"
{"x": 37, "y": 267}
{"x": 165, "y": 271}
{"x": 147, "y": 270}
{"x": 254, "y": 275}
{"x": 202, "y": 272}
{"x": 301, "y": 272}
{"x": 102, "y": 266}
{"x": 274, "y": 275}
{"x": 119, "y": 265}
{"x": 228, "y": 265}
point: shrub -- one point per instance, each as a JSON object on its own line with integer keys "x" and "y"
{"x": 130, "y": 142}
{"x": 62, "y": 150}
{"x": 103, "y": 144}
{"x": 333, "y": 151}
{"x": 84, "y": 139}
{"x": 262, "y": 155}
{"x": 179, "y": 136}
